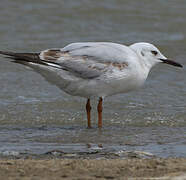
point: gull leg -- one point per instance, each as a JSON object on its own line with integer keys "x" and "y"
{"x": 99, "y": 108}
{"x": 88, "y": 109}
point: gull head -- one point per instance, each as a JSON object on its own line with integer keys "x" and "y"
{"x": 150, "y": 55}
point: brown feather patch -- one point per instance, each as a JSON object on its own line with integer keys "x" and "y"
{"x": 52, "y": 54}
{"x": 120, "y": 66}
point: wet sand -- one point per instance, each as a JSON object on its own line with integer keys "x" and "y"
{"x": 171, "y": 168}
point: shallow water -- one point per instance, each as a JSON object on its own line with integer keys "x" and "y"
{"x": 37, "y": 117}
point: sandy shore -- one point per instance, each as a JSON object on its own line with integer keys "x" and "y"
{"x": 49, "y": 169}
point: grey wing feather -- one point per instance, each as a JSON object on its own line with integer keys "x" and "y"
{"x": 86, "y": 60}
{"x": 84, "y": 68}
{"x": 103, "y": 51}
{"x": 90, "y": 60}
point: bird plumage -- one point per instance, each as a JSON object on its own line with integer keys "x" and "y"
{"x": 85, "y": 69}
{"x": 94, "y": 69}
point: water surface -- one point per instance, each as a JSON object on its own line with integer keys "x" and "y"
{"x": 37, "y": 117}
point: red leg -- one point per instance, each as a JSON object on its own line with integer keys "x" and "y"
{"x": 99, "y": 108}
{"x": 88, "y": 109}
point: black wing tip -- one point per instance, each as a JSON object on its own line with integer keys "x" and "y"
{"x": 29, "y": 57}
{"x": 7, "y": 53}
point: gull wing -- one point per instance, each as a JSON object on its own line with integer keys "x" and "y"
{"x": 89, "y": 60}
{"x": 104, "y": 51}
{"x": 85, "y": 60}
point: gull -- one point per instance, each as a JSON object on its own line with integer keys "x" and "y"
{"x": 94, "y": 69}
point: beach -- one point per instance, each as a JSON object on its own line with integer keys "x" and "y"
{"x": 49, "y": 169}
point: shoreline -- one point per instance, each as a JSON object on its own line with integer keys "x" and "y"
{"x": 55, "y": 168}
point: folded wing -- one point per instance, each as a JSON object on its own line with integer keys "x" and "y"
{"x": 86, "y": 60}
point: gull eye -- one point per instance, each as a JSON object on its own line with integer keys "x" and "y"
{"x": 154, "y": 52}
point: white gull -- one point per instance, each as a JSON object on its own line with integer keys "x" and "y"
{"x": 94, "y": 69}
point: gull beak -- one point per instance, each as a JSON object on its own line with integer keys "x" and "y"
{"x": 173, "y": 63}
